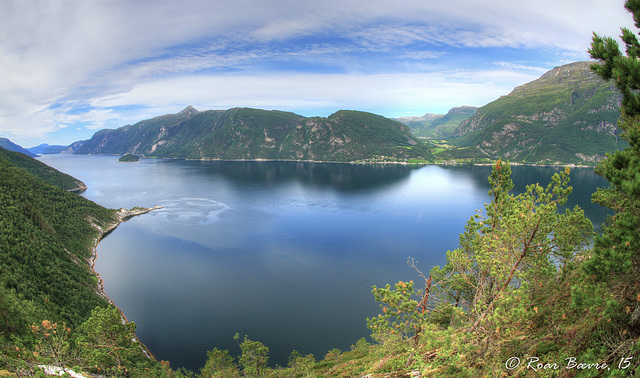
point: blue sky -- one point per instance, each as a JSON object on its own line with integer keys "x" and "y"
{"x": 71, "y": 67}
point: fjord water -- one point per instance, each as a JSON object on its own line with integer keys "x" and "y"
{"x": 283, "y": 252}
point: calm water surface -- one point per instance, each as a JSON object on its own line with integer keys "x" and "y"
{"x": 284, "y": 252}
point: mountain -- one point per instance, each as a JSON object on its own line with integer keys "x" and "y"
{"x": 43, "y": 171}
{"x": 9, "y": 145}
{"x": 568, "y": 115}
{"x": 438, "y": 126}
{"x": 45, "y": 149}
{"x": 73, "y": 147}
{"x": 244, "y": 133}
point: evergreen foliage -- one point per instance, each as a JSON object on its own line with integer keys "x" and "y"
{"x": 50, "y": 310}
{"x": 219, "y": 363}
{"x": 616, "y": 254}
{"x": 45, "y": 243}
{"x": 107, "y": 342}
{"x": 254, "y": 357}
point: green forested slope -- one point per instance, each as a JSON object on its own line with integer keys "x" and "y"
{"x": 568, "y": 115}
{"x": 42, "y": 171}
{"x": 244, "y": 133}
{"x": 51, "y": 311}
{"x": 46, "y": 239}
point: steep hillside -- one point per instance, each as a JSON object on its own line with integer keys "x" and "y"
{"x": 46, "y": 235}
{"x": 438, "y": 126}
{"x": 53, "y": 315}
{"x": 243, "y": 133}
{"x": 9, "y": 145}
{"x": 567, "y": 115}
{"x": 43, "y": 171}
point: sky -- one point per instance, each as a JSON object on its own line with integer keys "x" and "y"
{"x": 71, "y": 67}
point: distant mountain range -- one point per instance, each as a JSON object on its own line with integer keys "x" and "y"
{"x": 243, "y": 133}
{"x": 438, "y": 126}
{"x": 568, "y": 115}
{"x": 45, "y": 149}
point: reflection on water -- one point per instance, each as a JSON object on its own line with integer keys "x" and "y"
{"x": 339, "y": 177}
{"x": 284, "y": 252}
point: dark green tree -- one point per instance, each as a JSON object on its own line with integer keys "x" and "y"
{"x": 519, "y": 248}
{"x": 219, "y": 364}
{"x": 505, "y": 287}
{"x": 254, "y": 357}
{"x": 616, "y": 255}
{"x": 53, "y": 346}
{"x": 107, "y": 342}
{"x": 623, "y": 69}
{"x": 302, "y": 366}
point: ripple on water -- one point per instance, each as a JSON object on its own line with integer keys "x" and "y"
{"x": 192, "y": 211}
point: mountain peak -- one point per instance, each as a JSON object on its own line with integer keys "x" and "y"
{"x": 189, "y": 111}
{"x": 565, "y": 76}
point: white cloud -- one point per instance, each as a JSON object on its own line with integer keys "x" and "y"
{"x": 57, "y": 55}
{"x": 387, "y": 92}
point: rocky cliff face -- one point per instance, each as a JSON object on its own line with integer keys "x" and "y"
{"x": 243, "y": 133}
{"x": 569, "y": 114}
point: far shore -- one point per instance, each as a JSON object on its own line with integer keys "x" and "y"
{"x": 453, "y": 163}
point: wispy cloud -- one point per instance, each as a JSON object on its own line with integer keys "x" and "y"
{"x": 321, "y": 94}
{"x": 70, "y": 64}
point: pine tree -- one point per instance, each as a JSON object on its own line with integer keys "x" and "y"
{"x": 107, "y": 342}
{"x": 616, "y": 254}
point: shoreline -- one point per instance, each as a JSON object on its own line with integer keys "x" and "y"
{"x": 451, "y": 163}
{"x": 121, "y": 215}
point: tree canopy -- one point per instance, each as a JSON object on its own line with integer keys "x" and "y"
{"x": 616, "y": 253}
